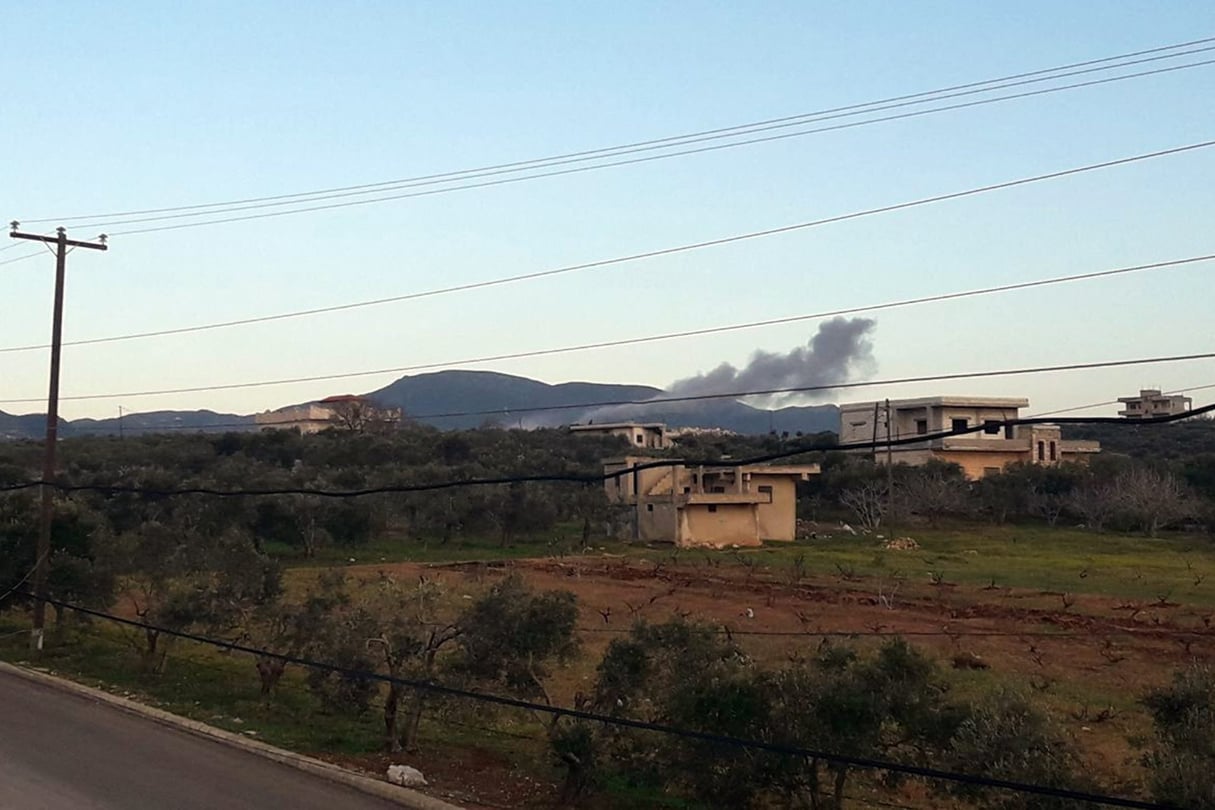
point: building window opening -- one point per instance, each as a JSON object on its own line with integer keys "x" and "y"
{"x": 649, "y": 507}
{"x": 921, "y": 426}
{"x": 640, "y": 439}
{"x": 1041, "y": 451}
{"x": 1008, "y": 432}
{"x": 766, "y": 490}
{"x": 1053, "y": 452}
{"x": 959, "y": 424}
{"x": 719, "y": 489}
{"x": 712, "y": 507}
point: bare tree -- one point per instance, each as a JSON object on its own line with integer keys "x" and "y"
{"x": 358, "y": 415}
{"x": 867, "y": 501}
{"x": 1096, "y": 503}
{"x": 1152, "y": 499}
{"x": 932, "y": 494}
{"x": 1047, "y": 505}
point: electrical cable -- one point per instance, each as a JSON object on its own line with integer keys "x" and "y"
{"x": 1023, "y": 285}
{"x": 84, "y": 431}
{"x": 1075, "y": 408}
{"x": 1145, "y": 632}
{"x": 865, "y": 763}
{"x": 572, "y": 478}
{"x": 617, "y": 163}
{"x": 662, "y": 400}
{"x": 667, "y": 142}
{"x": 668, "y": 400}
{"x": 25, "y": 579}
{"x": 576, "y": 170}
{"x": 20, "y": 258}
{"x": 659, "y": 252}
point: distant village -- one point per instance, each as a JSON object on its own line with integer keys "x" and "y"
{"x": 747, "y": 505}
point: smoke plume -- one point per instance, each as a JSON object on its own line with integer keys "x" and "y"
{"x": 839, "y": 350}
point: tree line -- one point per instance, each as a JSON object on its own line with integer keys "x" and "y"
{"x": 1115, "y": 493}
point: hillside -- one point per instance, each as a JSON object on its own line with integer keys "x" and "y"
{"x": 425, "y": 397}
{"x": 480, "y": 397}
{"x": 1176, "y": 440}
{"x": 154, "y": 421}
{"x": 456, "y": 400}
{"x": 23, "y": 426}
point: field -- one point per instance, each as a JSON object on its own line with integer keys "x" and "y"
{"x": 1082, "y": 622}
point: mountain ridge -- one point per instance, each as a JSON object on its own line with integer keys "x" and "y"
{"x": 460, "y": 399}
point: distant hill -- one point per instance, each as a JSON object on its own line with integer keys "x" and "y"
{"x": 33, "y": 425}
{"x": 511, "y": 399}
{"x": 23, "y": 426}
{"x": 154, "y": 421}
{"x": 456, "y": 400}
{"x": 479, "y": 397}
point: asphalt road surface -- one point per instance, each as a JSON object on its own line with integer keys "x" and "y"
{"x": 60, "y": 751}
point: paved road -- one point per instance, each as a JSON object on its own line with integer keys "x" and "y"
{"x": 60, "y": 751}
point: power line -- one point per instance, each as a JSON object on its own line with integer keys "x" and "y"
{"x": 631, "y": 161}
{"x": 1040, "y": 634}
{"x": 21, "y": 259}
{"x": 866, "y": 763}
{"x": 778, "y": 321}
{"x": 668, "y": 400}
{"x": 572, "y": 478}
{"x": 681, "y": 153}
{"x": 37, "y": 563}
{"x": 477, "y": 285}
{"x": 1091, "y": 405}
{"x": 750, "y": 324}
{"x": 1049, "y": 74}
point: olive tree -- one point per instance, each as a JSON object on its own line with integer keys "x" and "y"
{"x": 1179, "y": 763}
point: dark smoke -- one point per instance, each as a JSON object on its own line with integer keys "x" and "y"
{"x": 839, "y": 350}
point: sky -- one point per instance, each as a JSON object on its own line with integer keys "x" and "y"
{"x": 139, "y": 105}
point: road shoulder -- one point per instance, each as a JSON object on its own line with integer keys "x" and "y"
{"x": 404, "y": 797}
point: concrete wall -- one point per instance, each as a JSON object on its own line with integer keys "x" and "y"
{"x": 640, "y": 483}
{"x": 777, "y": 519}
{"x": 305, "y": 418}
{"x": 717, "y": 525}
{"x": 641, "y": 437}
{"x": 657, "y": 521}
{"x": 856, "y": 425}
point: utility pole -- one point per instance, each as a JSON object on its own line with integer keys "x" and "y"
{"x": 889, "y": 469}
{"x": 873, "y": 451}
{"x": 121, "y": 434}
{"x": 43, "y": 551}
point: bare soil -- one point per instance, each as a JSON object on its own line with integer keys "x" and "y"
{"x": 1087, "y": 658}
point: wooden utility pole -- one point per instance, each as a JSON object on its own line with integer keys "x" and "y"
{"x": 889, "y": 470}
{"x": 42, "y": 553}
{"x": 874, "y": 450}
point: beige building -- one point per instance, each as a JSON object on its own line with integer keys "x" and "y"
{"x": 347, "y": 412}
{"x": 979, "y": 453}
{"x": 708, "y": 506}
{"x": 1151, "y": 402}
{"x": 642, "y": 435}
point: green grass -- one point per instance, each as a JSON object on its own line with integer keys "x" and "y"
{"x": 220, "y": 690}
{"x": 398, "y": 546}
{"x": 1055, "y": 560}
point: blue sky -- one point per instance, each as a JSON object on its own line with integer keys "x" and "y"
{"x": 139, "y": 105}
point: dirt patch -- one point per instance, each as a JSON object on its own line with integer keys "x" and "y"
{"x": 1087, "y": 658}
